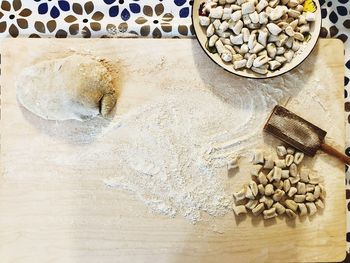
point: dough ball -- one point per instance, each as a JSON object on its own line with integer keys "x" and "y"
{"x": 76, "y": 87}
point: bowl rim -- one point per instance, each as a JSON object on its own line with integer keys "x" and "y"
{"x": 235, "y": 72}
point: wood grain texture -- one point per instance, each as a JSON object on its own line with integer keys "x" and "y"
{"x": 53, "y": 209}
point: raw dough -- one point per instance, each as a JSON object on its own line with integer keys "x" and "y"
{"x": 77, "y": 87}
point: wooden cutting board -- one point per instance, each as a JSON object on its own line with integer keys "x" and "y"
{"x": 51, "y": 211}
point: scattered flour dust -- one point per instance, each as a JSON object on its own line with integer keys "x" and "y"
{"x": 173, "y": 152}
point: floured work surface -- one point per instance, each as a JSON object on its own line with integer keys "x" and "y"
{"x": 178, "y": 119}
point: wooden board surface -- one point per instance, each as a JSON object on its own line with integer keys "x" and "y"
{"x": 53, "y": 211}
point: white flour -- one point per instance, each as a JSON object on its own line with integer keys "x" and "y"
{"x": 173, "y": 152}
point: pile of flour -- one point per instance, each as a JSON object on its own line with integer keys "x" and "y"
{"x": 173, "y": 152}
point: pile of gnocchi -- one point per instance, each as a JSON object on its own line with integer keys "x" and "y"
{"x": 279, "y": 186}
{"x": 257, "y": 35}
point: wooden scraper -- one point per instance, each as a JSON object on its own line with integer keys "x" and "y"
{"x": 300, "y": 133}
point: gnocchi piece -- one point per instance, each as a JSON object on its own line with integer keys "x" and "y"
{"x": 289, "y": 159}
{"x": 269, "y": 190}
{"x": 294, "y": 180}
{"x": 278, "y": 185}
{"x": 309, "y": 197}
{"x": 269, "y": 163}
{"x": 249, "y": 64}
{"x": 319, "y": 204}
{"x": 271, "y": 50}
{"x": 281, "y": 151}
{"x": 311, "y": 207}
{"x": 223, "y": 26}
{"x": 261, "y": 5}
{"x": 210, "y": 30}
{"x": 258, "y": 157}
{"x": 219, "y": 46}
{"x": 299, "y": 198}
{"x": 253, "y": 187}
{"x": 310, "y": 187}
{"x": 260, "y": 70}
{"x": 301, "y": 188}
{"x": 212, "y": 40}
{"x": 277, "y": 174}
{"x": 286, "y": 185}
{"x": 280, "y": 209}
{"x": 274, "y": 29}
{"x": 238, "y": 28}
{"x": 298, "y": 157}
{"x": 216, "y": 12}
{"x": 285, "y": 174}
{"x": 289, "y": 31}
{"x": 249, "y": 193}
{"x": 270, "y": 175}
{"x": 237, "y": 15}
{"x": 227, "y": 57}
{"x": 317, "y": 192}
{"x": 270, "y": 213}
{"x": 291, "y": 205}
{"x": 236, "y": 40}
{"x": 261, "y": 189}
{"x": 239, "y": 210}
{"x": 258, "y": 209}
{"x": 302, "y": 209}
{"x": 290, "y": 213}
{"x": 240, "y": 195}
{"x": 292, "y": 191}
{"x": 204, "y": 20}
{"x": 248, "y": 7}
{"x": 281, "y": 163}
{"x": 293, "y": 170}
{"x": 262, "y": 178}
{"x": 262, "y": 37}
{"x": 304, "y": 175}
{"x": 260, "y": 61}
{"x": 257, "y": 48}
{"x": 290, "y": 150}
{"x": 240, "y": 64}
{"x": 263, "y": 18}
{"x": 216, "y": 24}
{"x": 254, "y": 17}
{"x": 293, "y": 13}
{"x": 246, "y": 34}
{"x": 251, "y": 204}
{"x": 277, "y": 196}
{"x": 267, "y": 201}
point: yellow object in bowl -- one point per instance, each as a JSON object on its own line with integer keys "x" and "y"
{"x": 309, "y": 6}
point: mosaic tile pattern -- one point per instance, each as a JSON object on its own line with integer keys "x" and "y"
{"x": 146, "y": 18}
{"x": 60, "y": 18}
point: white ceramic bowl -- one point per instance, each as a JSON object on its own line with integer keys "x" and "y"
{"x": 301, "y": 55}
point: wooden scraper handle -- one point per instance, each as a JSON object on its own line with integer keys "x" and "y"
{"x": 334, "y": 152}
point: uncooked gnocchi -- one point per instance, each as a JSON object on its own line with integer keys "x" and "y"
{"x": 266, "y": 34}
{"x": 280, "y": 187}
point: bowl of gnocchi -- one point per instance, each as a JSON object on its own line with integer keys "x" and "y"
{"x": 257, "y": 38}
